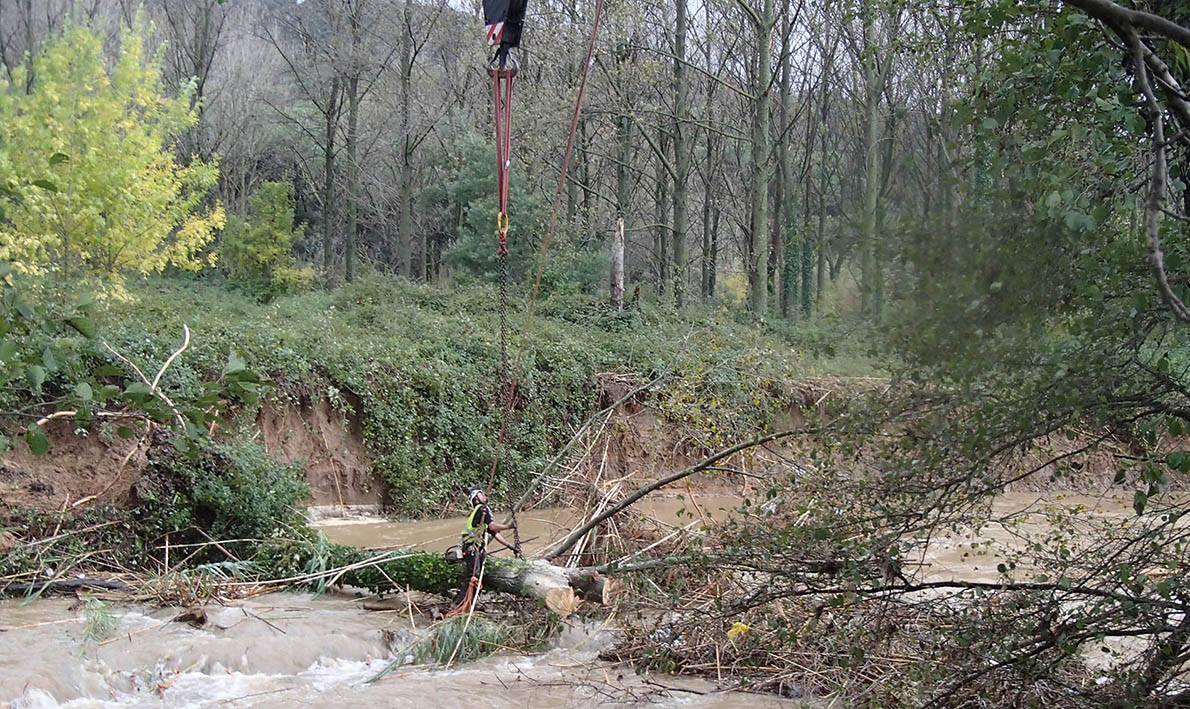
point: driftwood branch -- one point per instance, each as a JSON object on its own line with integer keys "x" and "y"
{"x": 578, "y": 434}
{"x": 153, "y": 384}
{"x": 563, "y": 546}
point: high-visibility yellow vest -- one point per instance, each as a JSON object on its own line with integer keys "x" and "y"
{"x": 473, "y": 532}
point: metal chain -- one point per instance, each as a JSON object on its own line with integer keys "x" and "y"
{"x": 505, "y": 392}
{"x": 506, "y": 385}
{"x": 502, "y": 78}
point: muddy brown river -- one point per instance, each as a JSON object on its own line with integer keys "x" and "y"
{"x": 537, "y": 527}
{"x": 294, "y": 650}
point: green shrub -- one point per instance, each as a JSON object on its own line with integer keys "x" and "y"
{"x": 256, "y": 252}
{"x": 230, "y": 490}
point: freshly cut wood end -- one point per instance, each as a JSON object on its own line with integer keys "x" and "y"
{"x": 611, "y": 590}
{"x": 561, "y": 601}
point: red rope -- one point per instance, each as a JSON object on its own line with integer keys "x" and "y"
{"x": 468, "y": 599}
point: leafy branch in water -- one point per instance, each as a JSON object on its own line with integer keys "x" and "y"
{"x": 100, "y": 622}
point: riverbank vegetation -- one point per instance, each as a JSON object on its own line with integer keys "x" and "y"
{"x": 222, "y": 219}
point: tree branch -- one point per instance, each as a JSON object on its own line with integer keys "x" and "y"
{"x": 1114, "y": 14}
{"x": 563, "y": 546}
{"x": 1157, "y": 185}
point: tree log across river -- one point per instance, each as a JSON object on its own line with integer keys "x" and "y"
{"x": 559, "y": 587}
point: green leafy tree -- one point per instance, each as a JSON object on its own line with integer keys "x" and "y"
{"x": 470, "y": 194}
{"x": 95, "y": 143}
{"x": 257, "y": 251}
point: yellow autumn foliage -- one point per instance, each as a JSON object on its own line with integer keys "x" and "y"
{"x": 88, "y": 154}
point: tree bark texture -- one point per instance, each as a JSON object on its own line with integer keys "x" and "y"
{"x": 353, "y": 100}
{"x": 681, "y": 158}
{"x": 662, "y": 231}
{"x": 328, "y": 179}
{"x": 758, "y": 247}
{"x": 405, "y": 189}
{"x": 617, "y": 274}
{"x": 430, "y": 572}
{"x": 784, "y": 276}
{"x": 867, "y": 238}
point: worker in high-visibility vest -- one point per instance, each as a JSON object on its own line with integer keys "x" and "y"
{"x": 473, "y": 541}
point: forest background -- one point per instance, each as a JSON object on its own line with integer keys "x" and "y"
{"x": 985, "y": 201}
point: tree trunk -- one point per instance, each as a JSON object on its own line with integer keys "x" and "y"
{"x": 30, "y": 76}
{"x": 537, "y": 579}
{"x": 353, "y": 100}
{"x": 617, "y": 275}
{"x": 807, "y": 274}
{"x": 784, "y": 276}
{"x": 328, "y": 181}
{"x": 874, "y": 76}
{"x": 431, "y": 573}
{"x": 705, "y": 290}
{"x": 662, "y": 231}
{"x": 777, "y": 228}
{"x": 623, "y": 161}
{"x": 623, "y": 178}
{"x": 758, "y": 248}
{"x": 681, "y": 158}
{"x": 584, "y": 160}
{"x": 714, "y": 258}
{"x": 405, "y": 188}
{"x": 572, "y": 181}
{"x": 820, "y": 238}
{"x": 710, "y": 226}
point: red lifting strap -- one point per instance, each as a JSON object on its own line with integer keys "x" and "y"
{"x": 502, "y": 78}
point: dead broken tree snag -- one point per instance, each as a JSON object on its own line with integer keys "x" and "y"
{"x": 430, "y": 572}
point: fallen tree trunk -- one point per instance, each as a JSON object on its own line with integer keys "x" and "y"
{"x": 535, "y": 579}
{"x": 560, "y": 588}
{"x": 39, "y": 587}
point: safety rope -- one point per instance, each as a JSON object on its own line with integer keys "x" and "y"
{"x": 468, "y": 599}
